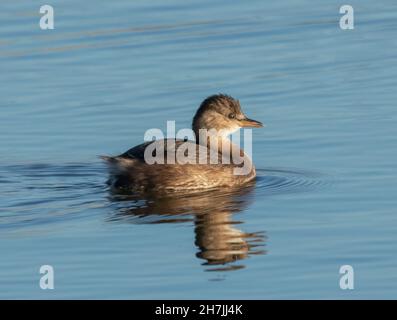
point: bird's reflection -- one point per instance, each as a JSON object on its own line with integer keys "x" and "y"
{"x": 220, "y": 243}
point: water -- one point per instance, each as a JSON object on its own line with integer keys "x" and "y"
{"x": 325, "y": 194}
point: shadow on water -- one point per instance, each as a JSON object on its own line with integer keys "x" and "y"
{"x": 220, "y": 243}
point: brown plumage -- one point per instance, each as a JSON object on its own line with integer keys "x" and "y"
{"x": 131, "y": 172}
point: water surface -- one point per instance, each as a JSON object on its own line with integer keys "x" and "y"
{"x": 325, "y": 194}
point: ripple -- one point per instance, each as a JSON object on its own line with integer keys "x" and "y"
{"x": 38, "y": 194}
{"x": 272, "y": 181}
{"x": 44, "y": 195}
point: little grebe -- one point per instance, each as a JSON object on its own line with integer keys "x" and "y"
{"x": 217, "y": 117}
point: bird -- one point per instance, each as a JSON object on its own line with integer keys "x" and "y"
{"x": 210, "y": 161}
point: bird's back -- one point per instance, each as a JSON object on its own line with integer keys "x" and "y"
{"x": 132, "y": 171}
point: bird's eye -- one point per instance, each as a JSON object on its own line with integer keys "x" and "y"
{"x": 232, "y": 116}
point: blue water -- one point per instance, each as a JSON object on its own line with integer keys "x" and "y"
{"x": 326, "y": 189}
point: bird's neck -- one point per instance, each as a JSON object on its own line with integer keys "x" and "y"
{"x": 219, "y": 141}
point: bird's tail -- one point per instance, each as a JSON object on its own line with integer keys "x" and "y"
{"x": 108, "y": 159}
{"x": 118, "y": 165}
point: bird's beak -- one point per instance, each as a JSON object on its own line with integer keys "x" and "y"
{"x": 250, "y": 123}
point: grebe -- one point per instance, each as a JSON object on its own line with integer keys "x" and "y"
{"x": 217, "y": 117}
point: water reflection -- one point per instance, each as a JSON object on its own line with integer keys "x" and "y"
{"x": 221, "y": 244}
